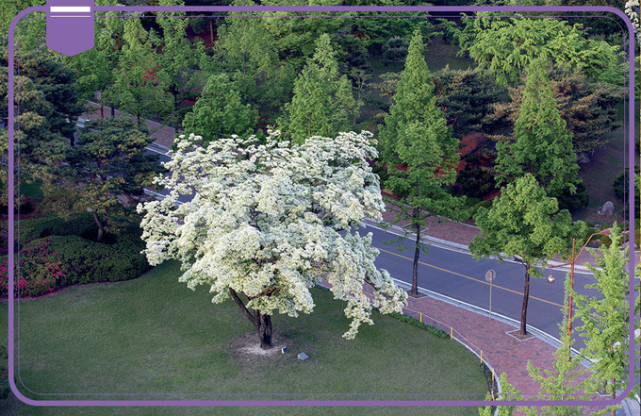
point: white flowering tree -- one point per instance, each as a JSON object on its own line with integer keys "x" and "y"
{"x": 268, "y": 221}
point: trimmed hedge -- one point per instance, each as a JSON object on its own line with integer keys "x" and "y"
{"x": 415, "y": 322}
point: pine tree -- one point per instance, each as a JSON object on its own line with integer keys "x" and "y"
{"x": 323, "y": 102}
{"x": 541, "y": 143}
{"x": 219, "y": 112}
{"x": 419, "y": 150}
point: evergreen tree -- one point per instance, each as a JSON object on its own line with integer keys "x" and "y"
{"x": 541, "y": 143}
{"x": 138, "y": 86}
{"x": 605, "y": 318}
{"x": 59, "y": 88}
{"x": 108, "y": 163}
{"x": 246, "y": 50}
{"x": 507, "y": 46}
{"x": 509, "y": 393}
{"x": 523, "y": 222}
{"x": 323, "y": 102}
{"x": 419, "y": 151}
{"x": 219, "y": 112}
{"x": 179, "y": 58}
{"x": 560, "y": 383}
{"x": 588, "y": 108}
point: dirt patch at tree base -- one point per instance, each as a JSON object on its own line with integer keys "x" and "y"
{"x": 247, "y": 346}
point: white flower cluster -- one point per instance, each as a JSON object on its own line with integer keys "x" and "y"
{"x": 270, "y": 220}
{"x": 632, "y": 10}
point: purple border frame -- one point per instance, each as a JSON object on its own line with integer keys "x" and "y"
{"x": 290, "y": 403}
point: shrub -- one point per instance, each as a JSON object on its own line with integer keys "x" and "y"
{"x": 58, "y": 261}
{"x": 89, "y": 261}
{"x": 29, "y": 230}
{"x": 39, "y": 271}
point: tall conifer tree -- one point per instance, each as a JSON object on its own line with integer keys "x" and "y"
{"x": 419, "y": 150}
{"x": 323, "y": 102}
{"x": 541, "y": 144}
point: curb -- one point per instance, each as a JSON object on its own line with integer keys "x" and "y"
{"x": 459, "y": 247}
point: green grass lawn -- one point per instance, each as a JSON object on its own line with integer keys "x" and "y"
{"x": 153, "y": 335}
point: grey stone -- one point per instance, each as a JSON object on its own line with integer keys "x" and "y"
{"x": 284, "y": 350}
{"x": 302, "y": 356}
{"x": 582, "y": 158}
{"x": 607, "y": 209}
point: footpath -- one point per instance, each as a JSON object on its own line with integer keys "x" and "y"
{"x": 485, "y": 336}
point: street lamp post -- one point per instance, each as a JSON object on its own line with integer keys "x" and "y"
{"x": 551, "y": 279}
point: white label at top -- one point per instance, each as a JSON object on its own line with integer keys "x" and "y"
{"x": 70, "y": 9}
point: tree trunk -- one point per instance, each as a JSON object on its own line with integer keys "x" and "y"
{"x": 417, "y": 252}
{"x": 211, "y": 33}
{"x": 101, "y": 228}
{"x": 526, "y": 296}
{"x": 113, "y": 111}
{"x": 262, "y": 322}
{"x": 264, "y": 329}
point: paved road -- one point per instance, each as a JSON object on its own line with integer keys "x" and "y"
{"x": 458, "y": 275}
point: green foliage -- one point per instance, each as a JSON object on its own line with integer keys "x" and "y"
{"x": 247, "y": 51}
{"x": 418, "y": 149}
{"x": 417, "y": 145}
{"x": 58, "y": 86}
{"x": 604, "y": 319}
{"x": 466, "y": 97}
{"x": 509, "y": 393}
{"x": 108, "y": 163}
{"x": 507, "y": 46}
{"x": 620, "y": 186}
{"x": 323, "y": 102}
{"x": 476, "y": 181}
{"x": 394, "y": 50}
{"x": 219, "y": 112}
{"x": 89, "y": 261}
{"x": 523, "y": 222}
{"x": 415, "y": 322}
{"x": 541, "y": 143}
{"x": 295, "y": 33}
{"x": 139, "y": 86}
{"x": 560, "y": 383}
{"x": 29, "y": 230}
{"x": 179, "y": 59}
{"x": 588, "y": 108}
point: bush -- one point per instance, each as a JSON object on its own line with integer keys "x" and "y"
{"x": 89, "y": 261}
{"x": 58, "y": 261}
{"x": 39, "y": 271}
{"x": 82, "y": 225}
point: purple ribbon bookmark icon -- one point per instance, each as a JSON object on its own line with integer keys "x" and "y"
{"x": 70, "y": 26}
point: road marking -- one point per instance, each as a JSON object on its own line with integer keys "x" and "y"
{"x": 466, "y": 277}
